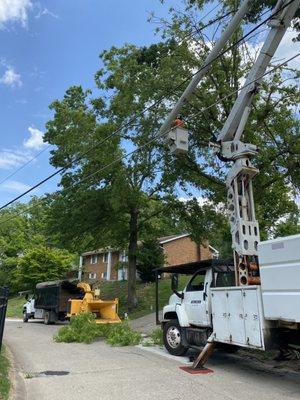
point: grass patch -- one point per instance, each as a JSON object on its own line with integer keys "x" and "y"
{"x": 83, "y": 329}
{"x": 15, "y": 307}
{"x": 4, "y": 378}
{"x": 156, "y": 338}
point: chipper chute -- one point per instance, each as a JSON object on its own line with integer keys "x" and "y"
{"x": 106, "y": 311}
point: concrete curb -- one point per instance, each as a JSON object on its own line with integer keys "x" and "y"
{"x": 18, "y": 388}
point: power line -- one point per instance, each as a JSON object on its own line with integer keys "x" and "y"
{"x": 190, "y": 34}
{"x": 155, "y": 137}
{"x": 130, "y": 122}
{"x": 25, "y": 164}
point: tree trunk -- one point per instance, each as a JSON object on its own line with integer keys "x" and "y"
{"x": 132, "y": 250}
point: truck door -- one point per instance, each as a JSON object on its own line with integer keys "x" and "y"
{"x": 196, "y": 302}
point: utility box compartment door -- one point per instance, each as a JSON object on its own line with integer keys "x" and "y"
{"x": 220, "y": 317}
{"x": 251, "y": 319}
{"x": 238, "y": 316}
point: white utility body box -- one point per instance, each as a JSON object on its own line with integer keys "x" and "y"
{"x": 238, "y": 316}
{"x": 279, "y": 261}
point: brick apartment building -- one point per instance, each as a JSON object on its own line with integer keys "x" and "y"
{"x": 104, "y": 264}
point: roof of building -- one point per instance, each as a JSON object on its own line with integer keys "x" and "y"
{"x": 161, "y": 240}
{"x": 98, "y": 251}
{"x": 171, "y": 238}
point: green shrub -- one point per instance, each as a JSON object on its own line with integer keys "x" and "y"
{"x": 157, "y": 337}
{"x": 123, "y": 335}
{"x": 84, "y": 329}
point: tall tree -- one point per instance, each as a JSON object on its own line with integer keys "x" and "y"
{"x": 109, "y": 203}
{"x": 273, "y": 125}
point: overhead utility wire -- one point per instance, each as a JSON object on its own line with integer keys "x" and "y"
{"x": 190, "y": 34}
{"x": 130, "y": 122}
{"x": 162, "y": 134}
{"x": 25, "y": 164}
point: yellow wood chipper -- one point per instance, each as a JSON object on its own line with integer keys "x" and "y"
{"x": 106, "y": 311}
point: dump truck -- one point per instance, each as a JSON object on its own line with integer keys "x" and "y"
{"x": 50, "y": 301}
{"x": 106, "y": 311}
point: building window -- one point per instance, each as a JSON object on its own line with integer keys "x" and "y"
{"x": 123, "y": 257}
{"x": 92, "y": 275}
{"x": 105, "y": 257}
{"x": 94, "y": 259}
{"x": 103, "y": 275}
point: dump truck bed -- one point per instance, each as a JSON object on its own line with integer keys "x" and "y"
{"x": 55, "y": 295}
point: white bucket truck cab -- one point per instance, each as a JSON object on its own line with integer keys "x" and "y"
{"x": 210, "y": 305}
{"x": 212, "y": 309}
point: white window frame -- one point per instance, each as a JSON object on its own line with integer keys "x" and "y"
{"x": 105, "y": 258}
{"x": 123, "y": 256}
{"x": 92, "y": 275}
{"x": 94, "y": 259}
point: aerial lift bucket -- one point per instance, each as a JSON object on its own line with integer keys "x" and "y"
{"x": 106, "y": 311}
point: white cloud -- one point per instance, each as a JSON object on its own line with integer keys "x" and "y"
{"x": 12, "y": 159}
{"x": 35, "y": 140}
{"x": 15, "y": 186}
{"x": 11, "y": 78}
{"x": 45, "y": 11}
{"x": 288, "y": 49}
{"x": 14, "y": 11}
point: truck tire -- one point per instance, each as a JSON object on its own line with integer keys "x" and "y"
{"x": 47, "y": 320}
{"x": 172, "y": 336}
{"x": 25, "y": 316}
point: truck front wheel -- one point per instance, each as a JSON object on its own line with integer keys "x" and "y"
{"x": 25, "y": 316}
{"x": 172, "y": 336}
{"x": 47, "y": 320}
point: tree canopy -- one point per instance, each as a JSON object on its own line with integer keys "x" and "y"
{"x": 120, "y": 184}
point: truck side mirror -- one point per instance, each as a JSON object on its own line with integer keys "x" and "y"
{"x": 174, "y": 286}
{"x": 174, "y": 282}
{"x": 205, "y": 291}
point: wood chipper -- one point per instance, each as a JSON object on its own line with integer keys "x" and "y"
{"x": 106, "y": 311}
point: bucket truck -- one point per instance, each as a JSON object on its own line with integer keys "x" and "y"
{"x": 254, "y": 301}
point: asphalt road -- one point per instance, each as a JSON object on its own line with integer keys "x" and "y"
{"x": 60, "y": 371}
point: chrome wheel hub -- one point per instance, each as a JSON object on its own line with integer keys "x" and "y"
{"x": 173, "y": 337}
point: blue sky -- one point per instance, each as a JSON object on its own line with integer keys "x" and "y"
{"x": 45, "y": 47}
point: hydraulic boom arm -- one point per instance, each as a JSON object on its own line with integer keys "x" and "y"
{"x": 244, "y": 227}
{"x": 243, "y": 224}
